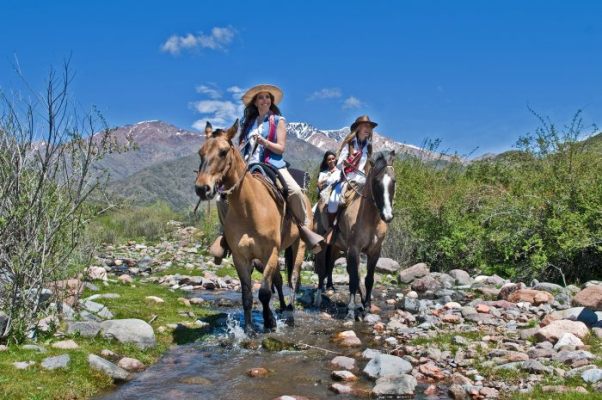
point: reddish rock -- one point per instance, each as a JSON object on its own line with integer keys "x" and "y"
{"x": 374, "y": 309}
{"x": 125, "y": 279}
{"x": 589, "y": 297}
{"x": 258, "y": 372}
{"x": 556, "y": 329}
{"x": 69, "y": 290}
{"x": 483, "y": 308}
{"x": 504, "y": 304}
{"x": 431, "y": 391}
{"x": 489, "y": 393}
{"x": 451, "y": 319}
{"x": 432, "y": 371}
{"x": 131, "y": 364}
{"x": 347, "y": 339}
{"x": 344, "y": 376}
{"x": 532, "y": 296}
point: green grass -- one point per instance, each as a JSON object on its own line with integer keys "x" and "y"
{"x": 78, "y": 381}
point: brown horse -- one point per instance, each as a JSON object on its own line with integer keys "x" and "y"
{"x": 254, "y": 226}
{"x": 361, "y": 228}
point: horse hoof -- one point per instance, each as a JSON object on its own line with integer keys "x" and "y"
{"x": 251, "y": 332}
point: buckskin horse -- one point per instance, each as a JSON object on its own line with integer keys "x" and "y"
{"x": 255, "y": 226}
{"x": 361, "y": 228}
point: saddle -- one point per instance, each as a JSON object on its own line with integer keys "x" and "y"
{"x": 271, "y": 177}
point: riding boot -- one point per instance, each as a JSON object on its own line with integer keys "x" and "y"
{"x": 314, "y": 241}
{"x": 219, "y": 249}
{"x": 332, "y": 218}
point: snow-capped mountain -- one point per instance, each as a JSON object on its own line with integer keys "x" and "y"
{"x": 331, "y": 139}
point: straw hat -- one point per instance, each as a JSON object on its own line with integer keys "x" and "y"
{"x": 361, "y": 120}
{"x": 273, "y": 90}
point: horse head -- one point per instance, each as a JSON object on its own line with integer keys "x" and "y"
{"x": 217, "y": 157}
{"x": 382, "y": 184}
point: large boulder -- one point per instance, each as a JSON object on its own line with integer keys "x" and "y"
{"x": 387, "y": 365}
{"x": 461, "y": 277}
{"x": 129, "y": 331}
{"x": 556, "y": 329}
{"x": 427, "y": 283}
{"x": 585, "y": 315}
{"x": 83, "y": 328}
{"x": 386, "y": 265}
{"x": 415, "y": 271}
{"x": 589, "y": 297}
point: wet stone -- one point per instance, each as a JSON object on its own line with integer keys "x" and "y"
{"x": 195, "y": 380}
{"x": 344, "y": 376}
{"x": 339, "y": 388}
{"x": 395, "y": 385}
{"x": 258, "y": 372}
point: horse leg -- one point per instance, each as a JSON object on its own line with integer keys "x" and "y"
{"x": 297, "y": 254}
{"x": 320, "y": 267}
{"x": 278, "y": 284}
{"x": 354, "y": 281}
{"x": 265, "y": 292}
{"x": 330, "y": 256}
{"x": 244, "y": 275}
{"x": 369, "y": 281}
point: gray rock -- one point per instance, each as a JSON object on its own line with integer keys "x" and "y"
{"x": 592, "y": 375}
{"x": 415, "y": 271}
{"x": 586, "y": 315}
{"x": 3, "y": 322}
{"x": 108, "y": 368}
{"x": 369, "y": 354}
{"x": 84, "y": 328}
{"x": 33, "y": 347}
{"x": 568, "y": 357}
{"x": 411, "y": 305}
{"x": 134, "y": 331}
{"x": 535, "y": 367}
{"x": 427, "y": 283}
{"x": 385, "y": 364}
{"x": 403, "y": 385}
{"x": 23, "y": 364}
{"x": 100, "y": 310}
{"x": 56, "y": 362}
{"x": 461, "y": 277}
{"x": 446, "y": 281}
{"x": 387, "y": 266}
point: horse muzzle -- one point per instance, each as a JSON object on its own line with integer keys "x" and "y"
{"x": 205, "y": 192}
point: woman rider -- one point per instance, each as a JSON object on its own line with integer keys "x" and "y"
{"x": 263, "y": 137}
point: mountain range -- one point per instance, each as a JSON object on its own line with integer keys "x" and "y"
{"x": 161, "y": 165}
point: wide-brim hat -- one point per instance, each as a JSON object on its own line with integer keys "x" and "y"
{"x": 361, "y": 120}
{"x": 273, "y": 90}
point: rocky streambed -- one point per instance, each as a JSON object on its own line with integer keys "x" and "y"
{"x": 428, "y": 334}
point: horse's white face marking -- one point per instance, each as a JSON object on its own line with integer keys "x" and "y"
{"x": 387, "y": 207}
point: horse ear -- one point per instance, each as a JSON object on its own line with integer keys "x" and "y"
{"x": 208, "y": 129}
{"x": 232, "y": 131}
{"x": 391, "y": 157}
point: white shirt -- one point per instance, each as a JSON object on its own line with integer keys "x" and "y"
{"x": 329, "y": 177}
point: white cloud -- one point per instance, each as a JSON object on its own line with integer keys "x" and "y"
{"x": 221, "y": 112}
{"x": 352, "y": 102}
{"x": 325, "y": 93}
{"x": 219, "y": 39}
{"x": 210, "y": 91}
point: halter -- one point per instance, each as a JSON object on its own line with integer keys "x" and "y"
{"x": 375, "y": 174}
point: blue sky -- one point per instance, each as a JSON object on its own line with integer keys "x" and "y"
{"x": 462, "y": 71}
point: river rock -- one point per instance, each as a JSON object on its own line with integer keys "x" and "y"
{"x": 23, "y": 364}
{"x": 343, "y": 362}
{"x": 154, "y": 299}
{"x": 347, "y": 339}
{"x": 592, "y": 375}
{"x": 415, "y": 271}
{"x": 461, "y": 277}
{"x": 574, "y": 357}
{"x": 556, "y": 329}
{"x": 396, "y": 385}
{"x": 131, "y": 364}
{"x": 258, "y": 372}
{"x": 97, "y": 273}
{"x": 134, "y": 331}
{"x": 568, "y": 341}
{"x": 108, "y": 368}
{"x": 339, "y": 388}
{"x": 427, "y": 283}
{"x": 457, "y": 392}
{"x": 532, "y": 296}
{"x": 590, "y": 297}
{"x": 51, "y": 363}
{"x": 384, "y": 364}
{"x": 344, "y": 376}
{"x": 65, "y": 345}
{"x": 386, "y": 265}
{"x": 83, "y": 328}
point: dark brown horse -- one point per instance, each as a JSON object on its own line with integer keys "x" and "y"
{"x": 361, "y": 228}
{"x": 255, "y": 226}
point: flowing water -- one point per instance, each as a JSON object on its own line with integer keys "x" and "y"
{"x": 216, "y": 368}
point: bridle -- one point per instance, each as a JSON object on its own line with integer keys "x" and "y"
{"x": 220, "y": 189}
{"x": 373, "y": 175}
